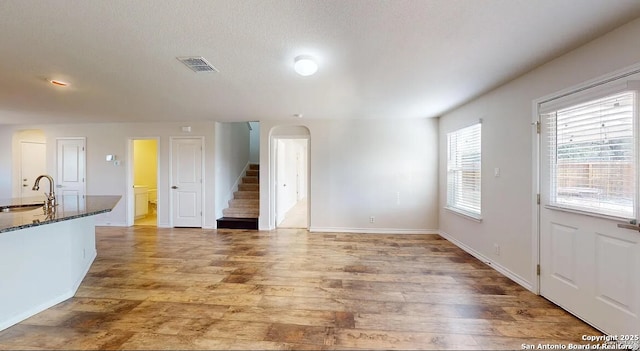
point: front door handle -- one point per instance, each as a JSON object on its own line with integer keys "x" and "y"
{"x": 629, "y": 226}
{"x": 174, "y": 187}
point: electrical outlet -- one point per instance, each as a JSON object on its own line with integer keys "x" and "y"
{"x": 496, "y": 249}
{"x": 372, "y": 219}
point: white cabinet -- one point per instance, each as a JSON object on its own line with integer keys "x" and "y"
{"x": 142, "y": 200}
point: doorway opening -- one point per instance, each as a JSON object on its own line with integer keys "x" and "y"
{"x": 292, "y": 205}
{"x": 144, "y": 171}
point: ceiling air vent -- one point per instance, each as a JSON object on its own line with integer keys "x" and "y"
{"x": 197, "y": 64}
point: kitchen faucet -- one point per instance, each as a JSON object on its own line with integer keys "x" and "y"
{"x": 51, "y": 196}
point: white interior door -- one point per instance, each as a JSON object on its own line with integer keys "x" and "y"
{"x": 186, "y": 182}
{"x": 588, "y": 265}
{"x": 33, "y": 162}
{"x": 71, "y": 157}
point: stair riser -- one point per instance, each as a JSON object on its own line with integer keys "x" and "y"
{"x": 244, "y": 203}
{"x": 248, "y": 187}
{"x": 232, "y": 223}
{"x": 240, "y": 213}
{"x": 246, "y": 195}
{"x": 252, "y": 173}
{"x": 250, "y": 180}
{"x": 254, "y": 167}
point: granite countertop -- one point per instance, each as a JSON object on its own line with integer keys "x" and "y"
{"x": 69, "y": 207}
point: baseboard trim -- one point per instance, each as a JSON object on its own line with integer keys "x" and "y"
{"x": 4, "y": 324}
{"x": 372, "y": 230}
{"x": 111, "y": 224}
{"x": 498, "y": 267}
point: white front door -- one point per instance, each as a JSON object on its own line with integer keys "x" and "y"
{"x": 588, "y": 185}
{"x": 71, "y": 175}
{"x": 33, "y": 162}
{"x": 186, "y": 182}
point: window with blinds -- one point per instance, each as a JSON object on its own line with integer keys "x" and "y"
{"x": 592, "y": 157}
{"x": 463, "y": 171}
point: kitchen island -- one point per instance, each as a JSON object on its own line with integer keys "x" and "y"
{"x": 45, "y": 254}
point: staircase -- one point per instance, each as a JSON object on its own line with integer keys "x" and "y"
{"x": 244, "y": 208}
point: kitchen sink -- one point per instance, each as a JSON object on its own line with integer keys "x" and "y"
{"x": 20, "y": 208}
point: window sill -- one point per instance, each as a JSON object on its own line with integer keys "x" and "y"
{"x": 468, "y": 215}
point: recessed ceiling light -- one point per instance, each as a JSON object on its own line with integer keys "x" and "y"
{"x": 305, "y": 65}
{"x": 58, "y": 83}
{"x": 297, "y": 115}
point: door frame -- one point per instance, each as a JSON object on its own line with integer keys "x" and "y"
{"x": 537, "y": 144}
{"x": 130, "y": 177}
{"x": 202, "y": 173}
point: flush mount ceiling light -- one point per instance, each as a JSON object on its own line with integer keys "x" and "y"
{"x": 305, "y": 65}
{"x": 58, "y": 83}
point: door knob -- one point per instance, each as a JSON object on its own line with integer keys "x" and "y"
{"x": 174, "y": 187}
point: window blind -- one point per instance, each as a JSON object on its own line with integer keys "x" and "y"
{"x": 464, "y": 170}
{"x": 592, "y": 146}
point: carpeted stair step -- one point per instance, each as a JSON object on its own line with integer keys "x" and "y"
{"x": 241, "y": 212}
{"x": 244, "y": 203}
{"x": 249, "y": 180}
{"x": 246, "y": 195}
{"x": 248, "y": 187}
{"x": 244, "y": 208}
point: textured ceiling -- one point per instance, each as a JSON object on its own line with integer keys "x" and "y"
{"x": 378, "y": 59}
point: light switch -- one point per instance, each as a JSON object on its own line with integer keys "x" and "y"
{"x": 496, "y": 172}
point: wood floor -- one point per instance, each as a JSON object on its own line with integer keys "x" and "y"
{"x": 155, "y": 288}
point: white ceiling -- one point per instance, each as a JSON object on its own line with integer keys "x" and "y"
{"x": 378, "y": 59}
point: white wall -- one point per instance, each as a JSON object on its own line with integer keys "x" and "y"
{"x": 362, "y": 168}
{"x": 507, "y": 143}
{"x": 104, "y": 178}
{"x": 254, "y": 142}
{"x": 231, "y": 158}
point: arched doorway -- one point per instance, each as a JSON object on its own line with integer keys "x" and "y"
{"x": 290, "y": 185}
